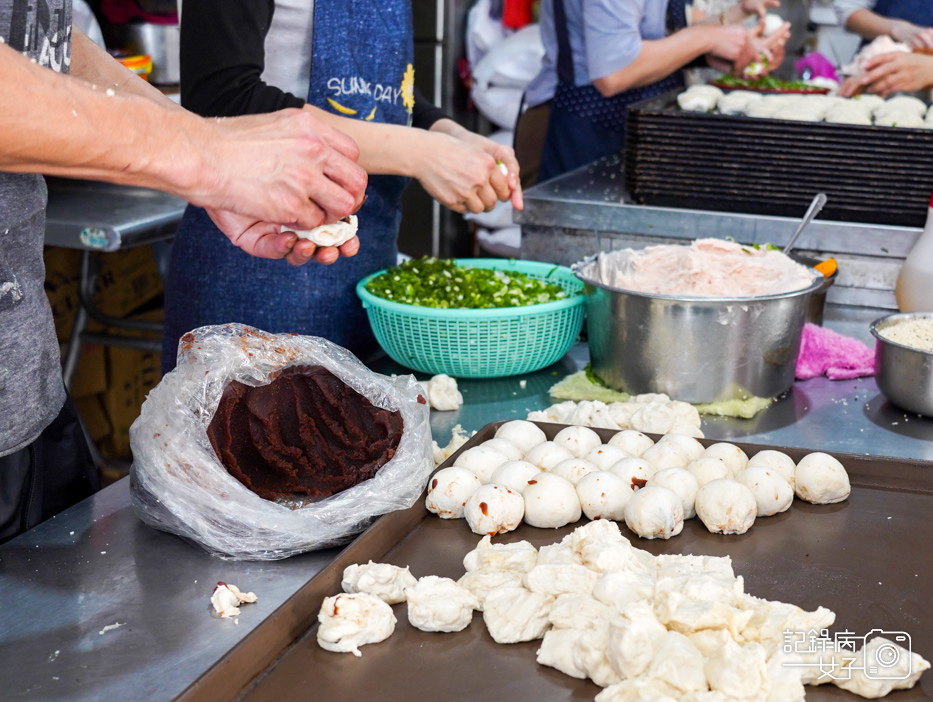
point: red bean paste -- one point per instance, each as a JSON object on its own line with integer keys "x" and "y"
{"x": 305, "y": 433}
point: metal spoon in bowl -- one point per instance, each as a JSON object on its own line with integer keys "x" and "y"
{"x": 818, "y": 202}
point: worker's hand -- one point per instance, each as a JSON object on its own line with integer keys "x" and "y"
{"x": 917, "y": 37}
{"x": 460, "y": 169}
{"x": 267, "y": 240}
{"x": 758, "y": 7}
{"x": 734, "y": 44}
{"x": 896, "y": 72}
{"x": 286, "y": 167}
{"x": 773, "y": 46}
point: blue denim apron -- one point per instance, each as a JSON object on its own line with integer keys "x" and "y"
{"x": 919, "y": 12}
{"x": 361, "y": 67}
{"x": 583, "y": 125}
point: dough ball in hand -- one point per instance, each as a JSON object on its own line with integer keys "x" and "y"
{"x": 578, "y": 440}
{"x": 604, "y": 495}
{"x": 655, "y": 513}
{"x": 522, "y": 434}
{"x": 336, "y": 234}
{"x": 726, "y": 506}
{"x": 481, "y": 460}
{"x": 821, "y": 479}
{"x": 681, "y": 483}
{"x": 448, "y": 491}
{"x": 547, "y": 455}
{"x": 772, "y": 493}
{"x": 551, "y": 502}
{"x": 515, "y": 475}
{"x": 494, "y": 509}
{"x": 634, "y": 443}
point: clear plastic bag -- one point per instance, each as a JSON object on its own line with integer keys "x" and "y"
{"x": 179, "y": 485}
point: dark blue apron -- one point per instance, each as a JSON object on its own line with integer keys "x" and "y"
{"x": 583, "y": 125}
{"x": 361, "y": 67}
{"x": 919, "y": 12}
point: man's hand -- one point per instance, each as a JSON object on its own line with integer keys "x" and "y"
{"x": 266, "y": 240}
{"x": 758, "y": 7}
{"x": 735, "y": 44}
{"x": 892, "y": 73}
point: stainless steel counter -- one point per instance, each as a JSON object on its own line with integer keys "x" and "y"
{"x": 97, "y": 606}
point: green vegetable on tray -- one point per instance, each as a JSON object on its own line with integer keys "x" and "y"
{"x": 432, "y": 282}
{"x": 765, "y": 83}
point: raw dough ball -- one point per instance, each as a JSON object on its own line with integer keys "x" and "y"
{"x": 336, "y": 234}
{"x": 506, "y": 448}
{"x": 578, "y": 440}
{"x": 604, "y": 456}
{"x": 902, "y": 103}
{"x": 448, "y": 491}
{"x": 686, "y": 445}
{"x": 800, "y": 113}
{"x": 898, "y": 118}
{"x": 515, "y": 475}
{"x": 351, "y": 621}
{"x": 573, "y": 469}
{"x": 726, "y": 506}
{"x": 382, "y": 580}
{"x": 780, "y": 463}
{"x": 439, "y": 604}
{"x": 734, "y": 103}
{"x": 734, "y": 457}
{"x": 482, "y": 582}
{"x": 494, "y": 509}
{"x": 655, "y": 513}
{"x": 603, "y": 495}
{"x": 634, "y": 471}
{"x": 520, "y": 556}
{"x": 821, "y": 479}
{"x": 696, "y": 102}
{"x": 522, "y": 434}
{"x": 551, "y": 502}
{"x": 665, "y": 455}
{"x": 844, "y": 114}
{"x": 514, "y": 614}
{"x": 442, "y": 393}
{"x": 767, "y": 106}
{"x": 773, "y": 23}
{"x": 634, "y": 443}
{"x": 707, "y": 468}
{"x": 867, "y": 102}
{"x": 772, "y": 493}
{"x": 682, "y": 483}
{"x": 481, "y": 460}
{"x": 547, "y": 455}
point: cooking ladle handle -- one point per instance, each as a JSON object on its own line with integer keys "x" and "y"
{"x": 818, "y": 202}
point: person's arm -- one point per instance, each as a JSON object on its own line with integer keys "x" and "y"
{"x": 870, "y": 25}
{"x": 892, "y": 73}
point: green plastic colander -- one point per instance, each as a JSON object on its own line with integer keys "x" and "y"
{"x": 485, "y": 343}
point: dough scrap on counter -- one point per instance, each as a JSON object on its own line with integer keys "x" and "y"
{"x": 439, "y": 604}
{"x": 226, "y": 599}
{"x": 458, "y": 438}
{"x": 519, "y": 557}
{"x": 348, "y": 621}
{"x": 382, "y": 580}
{"x": 442, "y": 393}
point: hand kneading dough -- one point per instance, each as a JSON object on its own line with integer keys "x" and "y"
{"x": 515, "y": 475}
{"x": 506, "y": 448}
{"x": 655, "y": 513}
{"x": 514, "y": 614}
{"x": 336, "y": 234}
{"x": 780, "y": 463}
{"x": 682, "y": 483}
{"x": 573, "y": 469}
{"x": 387, "y": 582}
{"x": 634, "y": 443}
{"x": 771, "y": 491}
{"x": 707, "y": 468}
{"x": 547, "y": 455}
{"x": 603, "y": 495}
{"x": 439, "y": 604}
{"x": 551, "y": 502}
{"x": 481, "y": 460}
{"x": 821, "y": 479}
{"x": 634, "y": 471}
{"x": 734, "y": 457}
{"x": 350, "y": 621}
{"x": 578, "y": 440}
{"x": 448, "y": 491}
{"x": 494, "y": 509}
{"x": 522, "y": 434}
{"x": 726, "y": 506}
{"x": 604, "y": 456}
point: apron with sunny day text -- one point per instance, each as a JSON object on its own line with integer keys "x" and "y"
{"x": 584, "y": 125}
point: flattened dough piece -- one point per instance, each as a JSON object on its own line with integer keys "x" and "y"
{"x": 348, "y": 621}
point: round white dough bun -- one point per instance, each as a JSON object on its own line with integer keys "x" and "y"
{"x": 821, "y": 479}
{"x": 687, "y": 445}
{"x": 772, "y": 493}
{"x": 634, "y": 471}
{"x": 682, "y": 483}
{"x": 515, "y": 475}
{"x": 573, "y": 469}
{"x": 506, "y": 448}
{"x": 604, "y": 456}
{"x": 707, "y": 468}
{"x": 780, "y": 463}
{"x": 735, "y": 458}
{"x": 603, "y": 495}
{"x": 655, "y": 513}
{"x": 773, "y": 22}
{"x": 547, "y": 455}
{"x": 448, "y": 491}
{"x": 663, "y": 456}
{"x": 726, "y": 506}
{"x": 494, "y": 509}
{"x": 578, "y": 440}
{"x": 634, "y": 443}
{"x": 522, "y": 434}
{"x": 481, "y": 460}
{"x": 551, "y": 502}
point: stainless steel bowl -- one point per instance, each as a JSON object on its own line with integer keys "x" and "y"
{"x": 904, "y": 374}
{"x": 161, "y": 43}
{"x": 695, "y": 349}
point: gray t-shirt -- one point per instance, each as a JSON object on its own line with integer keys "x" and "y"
{"x": 31, "y": 390}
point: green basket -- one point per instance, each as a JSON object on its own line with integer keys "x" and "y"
{"x": 486, "y": 343}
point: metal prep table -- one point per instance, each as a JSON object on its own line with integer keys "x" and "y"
{"x": 98, "y": 606}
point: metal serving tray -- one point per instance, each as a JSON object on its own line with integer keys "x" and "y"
{"x": 867, "y": 559}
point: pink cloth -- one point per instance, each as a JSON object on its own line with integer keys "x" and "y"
{"x": 839, "y": 357}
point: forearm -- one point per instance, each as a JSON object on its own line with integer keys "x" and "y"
{"x": 657, "y": 59}
{"x": 870, "y": 25}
